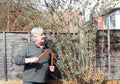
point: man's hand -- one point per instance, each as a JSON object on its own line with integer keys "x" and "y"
{"x": 31, "y": 60}
{"x": 52, "y": 68}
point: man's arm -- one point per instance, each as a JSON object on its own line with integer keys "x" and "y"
{"x": 21, "y": 57}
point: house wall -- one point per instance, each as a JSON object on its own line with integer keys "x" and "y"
{"x": 68, "y": 21}
{"x": 100, "y": 23}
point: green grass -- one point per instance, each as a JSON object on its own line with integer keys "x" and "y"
{"x": 15, "y": 81}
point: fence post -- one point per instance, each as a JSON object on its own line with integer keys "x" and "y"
{"x": 109, "y": 55}
{"x": 28, "y": 36}
{"x": 5, "y": 58}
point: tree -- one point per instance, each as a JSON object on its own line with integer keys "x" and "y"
{"x": 76, "y": 56}
{"x": 20, "y": 15}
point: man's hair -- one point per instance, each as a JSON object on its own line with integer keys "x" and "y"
{"x": 35, "y": 31}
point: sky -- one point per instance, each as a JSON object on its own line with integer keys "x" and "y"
{"x": 40, "y": 4}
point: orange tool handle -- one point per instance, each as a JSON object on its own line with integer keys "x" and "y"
{"x": 41, "y": 55}
{"x": 52, "y": 58}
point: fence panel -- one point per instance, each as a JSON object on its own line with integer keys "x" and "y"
{"x": 102, "y": 52}
{"x": 1, "y": 56}
{"x": 11, "y": 42}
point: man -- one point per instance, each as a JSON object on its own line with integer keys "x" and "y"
{"x": 35, "y": 69}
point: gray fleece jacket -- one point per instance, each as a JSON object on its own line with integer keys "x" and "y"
{"x": 33, "y": 72}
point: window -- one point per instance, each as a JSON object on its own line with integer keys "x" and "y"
{"x": 112, "y": 21}
{"x": 106, "y": 22}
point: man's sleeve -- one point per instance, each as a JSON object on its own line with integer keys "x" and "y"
{"x": 19, "y": 59}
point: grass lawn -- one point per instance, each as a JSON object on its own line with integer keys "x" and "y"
{"x": 11, "y": 82}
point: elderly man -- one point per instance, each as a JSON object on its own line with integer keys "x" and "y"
{"x": 35, "y": 69}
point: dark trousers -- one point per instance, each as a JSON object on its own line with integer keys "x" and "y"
{"x": 24, "y": 82}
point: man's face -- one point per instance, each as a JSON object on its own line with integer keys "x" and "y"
{"x": 40, "y": 38}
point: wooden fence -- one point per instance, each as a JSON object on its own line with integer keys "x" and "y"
{"x": 11, "y": 42}
{"x": 109, "y": 58}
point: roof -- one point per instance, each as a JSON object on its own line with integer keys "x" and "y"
{"x": 111, "y": 11}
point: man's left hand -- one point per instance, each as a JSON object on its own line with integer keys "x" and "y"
{"x": 52, "y": 68}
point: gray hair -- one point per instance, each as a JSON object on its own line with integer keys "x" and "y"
{"x": 35, "y": 31}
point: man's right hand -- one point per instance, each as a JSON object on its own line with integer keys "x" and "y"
{"x": 31, "y": 60}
